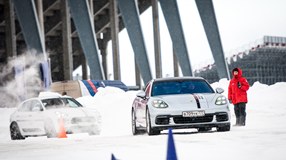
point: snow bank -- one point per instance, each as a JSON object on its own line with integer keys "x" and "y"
{"x": 4, "y": 123}
{"x": 114, "y": 106}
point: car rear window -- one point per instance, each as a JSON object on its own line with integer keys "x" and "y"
{"x": 180, "y": 87}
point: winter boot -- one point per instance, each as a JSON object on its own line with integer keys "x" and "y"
{"x": 242, "y": 121}
{"x": 237, "y": 123}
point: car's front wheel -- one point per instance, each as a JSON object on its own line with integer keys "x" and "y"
{"x": 134, "y": 128}
{"x": 50, "y": 129}
{"x": 149, "y": 129}
{"x": 15, "y": 132}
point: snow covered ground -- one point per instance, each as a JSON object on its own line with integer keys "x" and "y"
{"x": 263, "y": 137}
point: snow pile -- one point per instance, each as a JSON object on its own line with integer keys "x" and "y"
{"x": 114, "y": 106}
{"x": 4, "y": 123}
{"x": 265, "y": 103}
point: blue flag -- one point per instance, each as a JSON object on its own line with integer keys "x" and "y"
{"x": 45, "y": 74}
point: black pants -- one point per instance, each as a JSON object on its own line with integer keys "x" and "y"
{"x": 239, "y": 110}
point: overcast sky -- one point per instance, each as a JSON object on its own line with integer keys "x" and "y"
{"x": 241, "y": 23}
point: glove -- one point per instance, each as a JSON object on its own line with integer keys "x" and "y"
{"x": 230, "y": 101}
{"x": 238, "y": 84}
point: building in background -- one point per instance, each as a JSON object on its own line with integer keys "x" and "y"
{"x": 264, "y": 62}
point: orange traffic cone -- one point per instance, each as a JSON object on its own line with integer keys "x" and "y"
{"x": 62, "y": 131}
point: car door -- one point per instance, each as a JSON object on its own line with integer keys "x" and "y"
{"x": 36, "y": 118}
{"x": 22, "y": 116}
{"x": 141, "y": 107}
{"x": 29, "y": 120}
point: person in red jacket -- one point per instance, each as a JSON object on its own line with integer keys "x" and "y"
{"x": 237, "y": 95}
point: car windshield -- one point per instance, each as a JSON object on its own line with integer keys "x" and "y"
{"x": 180, "y": 87}
{"x": 53, "y": 103}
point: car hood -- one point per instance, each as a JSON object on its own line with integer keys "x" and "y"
{"x": 189, "y": 101}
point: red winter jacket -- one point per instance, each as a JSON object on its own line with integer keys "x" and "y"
{"x": 236, "y": 94}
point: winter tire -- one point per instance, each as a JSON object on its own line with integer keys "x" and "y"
{"x": 149, "y": 129}
{"x": 15, "y": 132}
{"x": 50, "y": 130}
{"x": 134, "y": 128}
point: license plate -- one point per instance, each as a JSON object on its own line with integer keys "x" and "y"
{"x": 193, "y": 113}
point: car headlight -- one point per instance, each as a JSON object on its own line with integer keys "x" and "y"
{"x": 221, "y": 100}
{"x": 159, "y": 104}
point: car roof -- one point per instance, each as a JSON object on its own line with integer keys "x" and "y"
{"x": 49, "y": 95}
{"x": 178, "y": 78}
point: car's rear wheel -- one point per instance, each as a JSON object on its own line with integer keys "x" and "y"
{"x": 134, "y": 128}
{"x": 149, "y": 129}
{"x": 15, "y": 132}
{"x": 224, "y": 128}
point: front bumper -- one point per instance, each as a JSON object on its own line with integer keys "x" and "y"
{"x": 217, "y": 119}
{"x": 89, "y": 128}
{"x": 82, "y": 125}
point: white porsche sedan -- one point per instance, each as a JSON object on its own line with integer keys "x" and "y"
{"x": 178, "y": 103}
{"x": 45, "y": 115}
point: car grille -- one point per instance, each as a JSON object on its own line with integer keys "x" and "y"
{"x": 162, "y": 120}
{"x": 165, "y": 119}
{"x": 182, "y": 120}
{"x": 77, "y": 120}
{"x": 220, "y": 117}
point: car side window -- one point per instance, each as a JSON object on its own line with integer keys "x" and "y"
{"x": 25, "y": 107}
{"x": 52, "y": 103}
{"x": 71, "y": 103}
{"x": 36, "y": 106}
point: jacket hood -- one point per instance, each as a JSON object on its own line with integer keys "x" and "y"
{"x": 239, "y": 72}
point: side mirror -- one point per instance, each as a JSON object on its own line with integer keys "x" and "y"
{"x": 219, "y": 90}
{"x": 141, "y": 94}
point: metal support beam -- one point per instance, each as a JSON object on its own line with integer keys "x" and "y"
{"x": 91, "y": 9}
{"x": 104, "y": 61}
{"x": 67, "y": 41}
{"x": 157, "y": 44}
{"x": 83, "y": 23}
{"x": 114, "y": 36}
{"x": 11, "y": 49}
{"x": 84, "y": 67}
{"x": 173, "y": 21}
{"x": 207, "y": 14}
{"x": 102, "y": 44}
{"x": 39, "y": 7}
{"x": 176, "y": 65}
{"x": 130, "y": 15}
{"x": 26, "y": 13}
{"x": 137, "y": 76}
